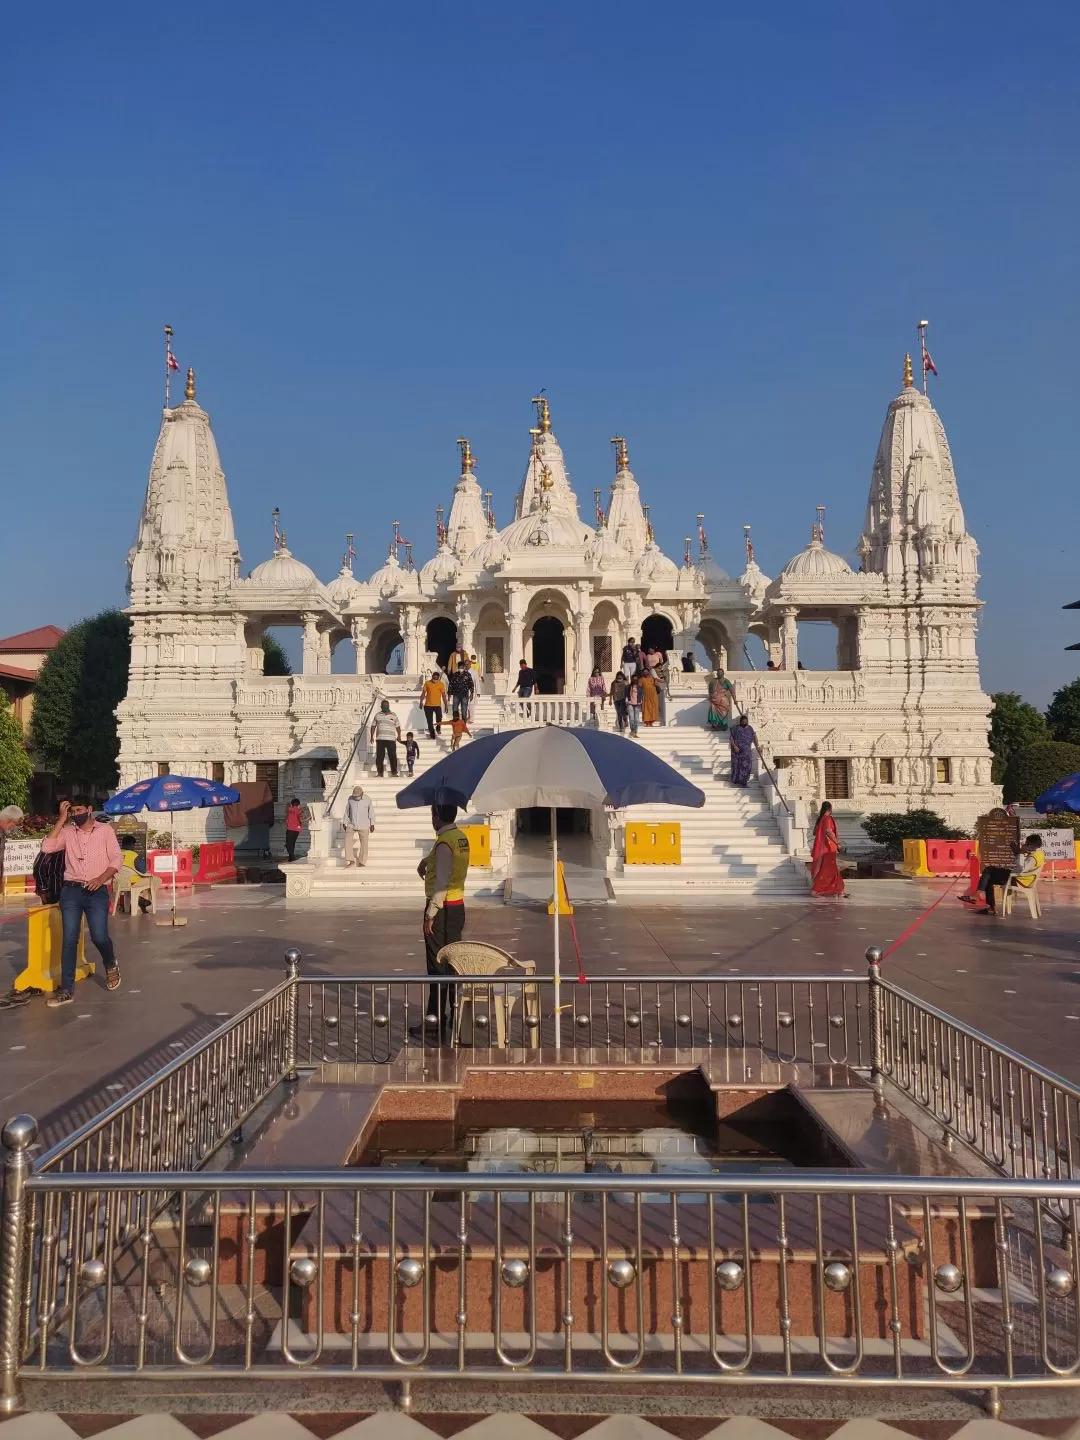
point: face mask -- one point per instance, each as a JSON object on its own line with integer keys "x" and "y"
{"x": 82, "y": 819}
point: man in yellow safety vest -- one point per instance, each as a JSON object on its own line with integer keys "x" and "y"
{"x": 443, "y": 871}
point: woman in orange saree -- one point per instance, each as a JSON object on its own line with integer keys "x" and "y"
{"x": 824, "y": 875}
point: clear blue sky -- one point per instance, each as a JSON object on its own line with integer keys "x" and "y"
{"x": 709, "y": 227}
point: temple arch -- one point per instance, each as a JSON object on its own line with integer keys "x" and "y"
{"x": 441, "y": 637}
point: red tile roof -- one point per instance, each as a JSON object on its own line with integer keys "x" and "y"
{"x": 13, "y": 672}
{"x": 45, "y": 637}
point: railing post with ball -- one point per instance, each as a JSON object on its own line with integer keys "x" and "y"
{"x": 877, "y": 1023}
{"x": 19, "y": 1136}
{"x": 292, "y": 1011}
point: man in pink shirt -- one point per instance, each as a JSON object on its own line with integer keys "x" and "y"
{"x": 91, "y": 858}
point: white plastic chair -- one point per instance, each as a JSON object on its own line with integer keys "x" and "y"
{"x": 135, "y": 888}
{"x": 463, "y": 957}
{"x": 1029, "y": 892}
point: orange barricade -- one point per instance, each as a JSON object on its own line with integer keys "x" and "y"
{"x": 217, "y": 861}
{"x": 948, "y": 857}
{"x": 159, "y": 862}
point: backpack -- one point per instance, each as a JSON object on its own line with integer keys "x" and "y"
{"x": 49, "y": 876}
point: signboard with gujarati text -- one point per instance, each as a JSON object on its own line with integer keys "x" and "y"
{"x": 1056, "y": 844}
{"x": 998, "y": 834}
{"x": 19, "y": 856}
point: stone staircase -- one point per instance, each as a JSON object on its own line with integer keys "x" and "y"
{"x": 401, "y": 838}
{"x": 732, "y": 844}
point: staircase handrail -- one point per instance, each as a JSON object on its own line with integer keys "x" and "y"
{"x": 376, "y": 699}
{"x": 761, "y": 757}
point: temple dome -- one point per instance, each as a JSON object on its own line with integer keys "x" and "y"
{"x": 815, "y": 563}
{"x": 489, "y": 553}
{"x": 553, "y": 529}
{"x": 283, "y": 572}
{"x": 441, "y": 568}
{"x": 344, "y": 588}
{"x": 389, "y": 578}
{"x": 654, "y": 565}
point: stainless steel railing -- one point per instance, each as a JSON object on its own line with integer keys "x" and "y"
{"x": 807, "y": 1277}
{"x": 809, "y": 1019}
{"x": 119, "y": 1254}
{"x": 1020, "y": 1117}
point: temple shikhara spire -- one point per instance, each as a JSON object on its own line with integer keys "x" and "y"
{"x": 891, "y": 717}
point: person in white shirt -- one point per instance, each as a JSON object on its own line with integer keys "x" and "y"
{"x": 385, "y": 734}
{"x": 359, "y": 826}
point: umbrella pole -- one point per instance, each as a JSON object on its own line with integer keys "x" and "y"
{"x": 172, "y": 920}
{"x": 555, "y": 919}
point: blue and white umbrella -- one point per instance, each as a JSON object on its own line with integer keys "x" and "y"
{"x": 550, "y": 767}
{"x": 170, "y": 793}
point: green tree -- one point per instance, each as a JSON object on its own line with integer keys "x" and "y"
{"x": 1013, "y": 724}
{"x": 275, "y": 661}
{"x": 892, "y": 827}
{"x": 73, "y": 728}
{"x": 1037, "y": 767}
{"x": 16, "y": 767}
{"x": 1063, "y": 714}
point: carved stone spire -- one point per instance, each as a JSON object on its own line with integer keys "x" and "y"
{"x": 185, "y": 537}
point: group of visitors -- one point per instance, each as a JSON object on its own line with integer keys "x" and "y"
{"x": 638, "y": 691}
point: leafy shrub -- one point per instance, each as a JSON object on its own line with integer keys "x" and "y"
{"x": 1037, "y": 767}
{"x": 893, "y": 827}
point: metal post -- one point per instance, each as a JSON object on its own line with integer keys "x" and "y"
{"x": 292, "y": 1013}
{"x": 19, "y": 1134}
{"x": 877, "y": 1029}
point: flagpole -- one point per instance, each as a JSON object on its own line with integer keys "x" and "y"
{"x": 922, "y": 356}
{"x": 168, "y": 368}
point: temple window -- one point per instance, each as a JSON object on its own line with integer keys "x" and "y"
{"x": 837, "y": 780}
{"x": 943, "y": 772}
{"x": 886, "y": 772}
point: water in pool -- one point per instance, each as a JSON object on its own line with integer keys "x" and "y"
{"x": 627, "y": 1138}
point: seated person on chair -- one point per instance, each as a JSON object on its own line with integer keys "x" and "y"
{"x": 133, "y": 871}
{"x": 1030, "y": 860}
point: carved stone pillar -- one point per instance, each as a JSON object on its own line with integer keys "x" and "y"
{"x": 310, "y": 664}
{"x": 515, "y": 621}
{"x": 324, "y": 655}
{"x": 466, "y": 626}
{"x": 737, "y": 632}
{"x": 790, "y": 638}
{"x": 582, "y": 647}
{"x": 360, "y": 626}
{"x": 410, "y": 634}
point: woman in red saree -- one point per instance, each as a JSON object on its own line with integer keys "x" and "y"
{"x": 824, "y": 874}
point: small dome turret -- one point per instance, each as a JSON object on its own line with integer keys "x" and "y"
{"x": 283, "y": 571}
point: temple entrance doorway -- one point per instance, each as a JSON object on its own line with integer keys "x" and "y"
{"x": 549, "y": 655}
{"x": 657, "y": 634}
{"x": 441, "y": 637}
{"x": 581, "y": 854}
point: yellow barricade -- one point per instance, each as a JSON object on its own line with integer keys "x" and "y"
{"x": 565, "y": 908}
{"x": 479, "y": 844}
{"x": 44, "y": 943}
{"x": 653, "y": 844}
{"x": 914, "y": 862}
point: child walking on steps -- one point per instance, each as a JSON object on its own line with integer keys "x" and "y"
{"x": 412, "y": 751}
{"x": 460, "y": 727}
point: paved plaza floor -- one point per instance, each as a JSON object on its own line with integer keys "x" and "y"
{"x": 1017, "y": 979}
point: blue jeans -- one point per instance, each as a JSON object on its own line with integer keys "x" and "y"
{"x": 635, "y": 718}
{"x": 75, "y": 902}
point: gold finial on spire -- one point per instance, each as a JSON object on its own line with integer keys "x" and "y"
{"x": 543, "y": 413}
{"x": 189, "y": 393}
{"x": 909, "y": 379}
{"x": 546, "y": 482}
{"x": 622, "y": 454}
{"x": 468, "y": 459}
